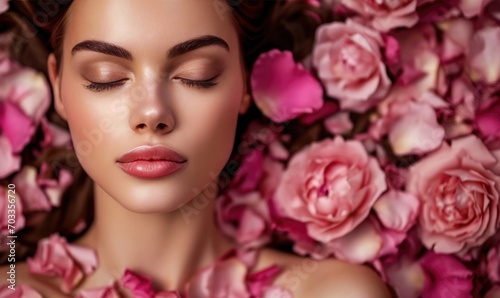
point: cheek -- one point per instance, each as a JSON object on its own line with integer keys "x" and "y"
{"x": 212, "y": 126}
{"x": 90, "y": 122}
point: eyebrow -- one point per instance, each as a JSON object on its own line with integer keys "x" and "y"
{"x": 175, "y": 51}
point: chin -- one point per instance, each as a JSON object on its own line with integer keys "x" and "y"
{"x": 152, "y": 200}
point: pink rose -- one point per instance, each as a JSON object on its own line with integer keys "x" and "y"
{"x": 282, "y": 88}
{"x": 330, "y": 186}
{"x": 459, "y": 196}
{"x": 349, "y": 63}
{"x": 445, "y": 277}
{"x": 387, "y": 14}
{"x": 55, "y": 257}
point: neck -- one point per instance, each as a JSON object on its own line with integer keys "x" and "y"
{"x": 169, "y": 247}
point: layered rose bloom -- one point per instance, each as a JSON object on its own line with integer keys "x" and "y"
{"x": 386, "y": 14}
{"x": 459, "y": 195}
{"x": 349, "y": 63}
{"x": 330, "y": 186}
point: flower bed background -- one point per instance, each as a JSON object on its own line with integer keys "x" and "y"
{"x": 381, "y": 147}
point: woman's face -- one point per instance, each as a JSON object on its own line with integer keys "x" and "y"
{"x": 128, "y": 79}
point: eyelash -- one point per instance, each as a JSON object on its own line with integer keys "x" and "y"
{"x": 101, "y": 87}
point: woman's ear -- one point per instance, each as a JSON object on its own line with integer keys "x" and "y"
{"x": 245, "y": 103}
{"x": 55, "y": 83}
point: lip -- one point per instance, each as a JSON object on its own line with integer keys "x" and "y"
{"x": 151, "y": 161}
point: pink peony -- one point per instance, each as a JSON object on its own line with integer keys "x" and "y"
{"x": 348, "y": 59}
{"x": 55, "y": 257}
{"x": 483, "y": 54}
{"x": 282, "y": 88}
{"x": 387, "y": 14}
{"x": 459, "y": 196}
{"x": 330, "y": 186}
{"x": 445, "y": 277}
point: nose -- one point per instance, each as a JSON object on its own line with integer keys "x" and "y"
{"x": 151, "y": 113}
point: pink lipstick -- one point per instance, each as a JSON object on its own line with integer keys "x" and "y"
{"x": 151, "y": 161}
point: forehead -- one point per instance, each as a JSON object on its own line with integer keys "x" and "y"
{"x": 148, "y": 24}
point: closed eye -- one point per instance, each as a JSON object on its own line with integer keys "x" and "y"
{"x": 101, "y": 87}
{"x": 199, "y": 83}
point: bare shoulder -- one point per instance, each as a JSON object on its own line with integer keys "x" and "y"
{"x": 43, "y": 285}
{"x": 329, "y": 278}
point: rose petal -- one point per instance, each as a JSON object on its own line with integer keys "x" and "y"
{"x": 283, "y": 89}
{"x": 10, "y": 163}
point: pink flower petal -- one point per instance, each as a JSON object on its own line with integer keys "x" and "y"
{"x": 416, "y": 132}
{"x": 397, "y": 210}
{"x": 139, "y": 285}
{"x": 21, "y": 291}
{"x": 339, "y": 123}
{"x": 54, "y": 189}
{"x": 7, "y": 200}
{"x": 54, "y": 135}
{"x": 55, "y": 257}
{"x": 110, "y": 291}
{"x": 224, "y": 278}
{"x": 261, "y": 280}
{"x": 283, "y": 89}
{"x": 15, "y": 126}
{"x": 483, "y": 54}
{"x": 4, "y": 5}
{"x": 445, "y": 277}
{"x": 26, "y": 88}
{"x": 10, "y": 162}
{"x": 361, "y": 245}
{"x": 472, "y": 8}
{"x": 34, "y": 199}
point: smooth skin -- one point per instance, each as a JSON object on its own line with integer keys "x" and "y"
{"x": 148, "y": 99}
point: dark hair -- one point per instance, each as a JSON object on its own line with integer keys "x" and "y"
{"x": 37, "y": 28}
